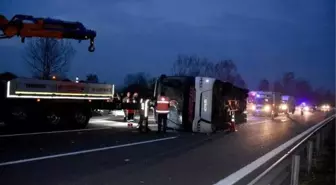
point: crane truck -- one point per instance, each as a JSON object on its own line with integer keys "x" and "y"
{"x": 204, "y": 104}
{"x": 26, "y": 101}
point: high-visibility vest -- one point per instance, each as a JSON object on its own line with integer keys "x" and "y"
{"x": 142, "y": 104}
{"x": 129, "y": 100}
{"x": 144, "y": 107}
{"x": 162, "y": 106}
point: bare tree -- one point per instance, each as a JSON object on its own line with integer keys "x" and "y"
{"x": 264, "y": 85}
{"x": 239, "y": 81}
{"x": 277, "y": 87}
{"x": 224, "y": 70}
{"x": 92, "y": 78}
{"x": 191, "y": 66}
{"x": 48, "y": 56}
{"x": 139, "y": 78}
{"x": 289, "y": 82}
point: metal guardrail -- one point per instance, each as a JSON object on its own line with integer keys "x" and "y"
{"x": 293, "y": 158}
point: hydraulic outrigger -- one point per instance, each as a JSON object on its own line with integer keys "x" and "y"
{"x": 28, "y": 26}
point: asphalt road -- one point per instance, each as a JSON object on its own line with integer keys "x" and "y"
{"x": 110, "y": 153}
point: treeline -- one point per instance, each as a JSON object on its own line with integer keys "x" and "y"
{"x": 226, "y": 70}
{"x": 47, "y": 58}
{"x": 185, "y": 65}
{"x": 301, "y": 88}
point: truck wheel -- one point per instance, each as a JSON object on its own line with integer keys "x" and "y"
{"x": 53, "y": 119}
{"x": 15, "y": 116}
{"x": 81, "y": 119}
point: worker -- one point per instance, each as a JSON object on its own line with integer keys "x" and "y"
{"x": 162, "y": 110}
{"x": 144, "y": 115}
{"x": 126, "y": 99}
{"x": 134, "y": 99}
{"x": 232, "y": 110}
{"x": 130, "y": 111}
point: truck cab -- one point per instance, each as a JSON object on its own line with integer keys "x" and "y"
{"x": 266, "y": 104}
{"x": 287, "y": 104}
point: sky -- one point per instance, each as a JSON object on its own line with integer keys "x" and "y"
{"x": 265, "y": 38}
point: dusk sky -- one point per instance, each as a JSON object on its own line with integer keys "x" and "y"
{"x": 263, "y": 37}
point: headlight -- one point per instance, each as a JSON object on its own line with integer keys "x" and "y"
{"x": 325, "y": 107}
{"x": 253, "y": 107}
{"x": 306, "y": 108}
{"x": 267, "y": 108}
{"x": 284, "y": 107}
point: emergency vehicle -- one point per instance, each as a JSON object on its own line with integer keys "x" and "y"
{"x": 200, "y": 104}
{"x": 266, "y": 104}
{"x": 288, "y": 104}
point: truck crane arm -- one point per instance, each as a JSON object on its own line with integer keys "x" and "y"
{"x": 45, "y": 28}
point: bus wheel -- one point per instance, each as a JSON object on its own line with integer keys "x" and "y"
{"x": 53, "y": 119}
{"x": 213, "y": 128}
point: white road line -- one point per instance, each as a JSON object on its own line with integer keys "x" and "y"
{"x": 83, "y": 151}
{"x": 53, "y": 132}
{"x": 257, "y": 122}
{"x": 92, "y": 121}
{"x": 243, "y": 172}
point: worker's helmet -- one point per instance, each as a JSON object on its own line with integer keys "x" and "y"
{"x": 173, "y": 103}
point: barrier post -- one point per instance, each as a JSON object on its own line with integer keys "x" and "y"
{"x": 310, "y": 147}
{"x": 318, "y": 143}
{"x": 295, "y": 169}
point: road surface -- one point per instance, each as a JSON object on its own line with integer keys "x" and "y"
{"x": 109, "y": 153}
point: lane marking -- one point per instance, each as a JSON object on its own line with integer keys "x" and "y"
{"x": 257, "y": 122}
{"x": 53, "y": 132}
{"x": 243, "y": 172}
{"x": 83, "y": 151}
{"x": 92, "y": 121}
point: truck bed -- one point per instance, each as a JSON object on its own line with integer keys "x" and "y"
{"x": 50, "y": 89}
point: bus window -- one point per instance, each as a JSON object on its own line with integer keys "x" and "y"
{"x": 219, "y": 106}
{"x": 181, "y": 90}
{"x": 173, "y": 89}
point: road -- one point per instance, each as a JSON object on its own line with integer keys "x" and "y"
{"x": 110, "y": 153}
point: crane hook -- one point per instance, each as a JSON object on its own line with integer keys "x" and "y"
{"x": 91, "y": 47}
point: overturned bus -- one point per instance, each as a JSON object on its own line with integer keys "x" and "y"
{"x": 200, "y": 104}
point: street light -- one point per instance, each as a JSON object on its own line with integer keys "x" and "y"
{"x": 77, "y": 79}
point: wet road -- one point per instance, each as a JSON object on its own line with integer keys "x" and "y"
{"x": 110, "y": 153}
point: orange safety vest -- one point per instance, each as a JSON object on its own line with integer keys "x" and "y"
{"x": 130, "y": 111}
{"x": 162, "y": 106}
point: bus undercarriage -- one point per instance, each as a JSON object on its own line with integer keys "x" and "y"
{"x": 201, "y": 103}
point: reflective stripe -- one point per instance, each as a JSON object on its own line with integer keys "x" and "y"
{"x": 165, "y": 102}
{"x": 146, "y": 108}
{"x": 162, "y": 111}
{"x": 128, "y": 101}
